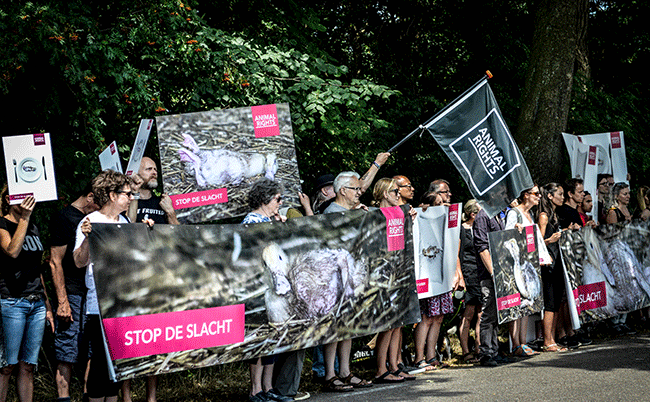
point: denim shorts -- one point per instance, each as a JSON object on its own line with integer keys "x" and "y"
{"x": 70, "y": 345}
{"x": 23, "y": 322}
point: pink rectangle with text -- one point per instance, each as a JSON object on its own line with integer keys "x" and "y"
{"x": 530, "y": 238}
{"x": 155, "y": 334}
{"x": 508, "y": 301}
{"x": 265, "y": 120}
{"x": 453, "y": 216}
{"x": 394, "y": 227}
{"x": 199, "y": 198}
{"x": 590, "y": 296}
{"x": 422, "y": 285}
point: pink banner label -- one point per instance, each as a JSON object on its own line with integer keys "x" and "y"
{"x": 591, "y": 160}
{"x": 39, "y": 139}
{"x": 453, "y": 216}
{"x": 394, "y": 227}
{"x": 590, "y": 296}
{"x": 265, "y": 120}
{"x": 112, "y": 148}
{"x": 199, "y": 198}
{"x": 14, "y": 197}
{"x": 155, "y": 334}
{"x": 422, "y": 285}
{"x": 508, "y": 301}
{"x": 530, "y": 238}
{"x": 615, "y": 139}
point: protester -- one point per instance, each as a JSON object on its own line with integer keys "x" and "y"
{"x": 264, "y": 199}
{"x": 347, "y": 187}
{"x": 146, "y": 205}
{"x": 25, "y": 308}
{"x": 619, "y": 212}
{"x": 567, "y": 213}
{"x": 467, "y": 261}
{"x": 386, "y": 194}
{"x": 112, "y": 193}
{"x": 584, "y": 209}
{"x": 605, "y": 183}
{"x": 489, "y": 347}
{"x": 518, "y": 217}
{"x": 552, "y": 275}
{"x": 324, "y": 193}
{"x": 406, "y": 189}
{"x": 70, "y": 287}
{"x": 433, "y": 309}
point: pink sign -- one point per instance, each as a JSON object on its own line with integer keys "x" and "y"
{"x": 39, "y": 139}
{"x": 615, "y": 139}
{"x": 590, "y": 296}
{"x": 199, "y": 198}
{"x": 265, "y": 120}
{"x": 530, "y": 238}
{"x": 394, "y": 227}
{"x": 453, "y": 216}
{"x": 508, "y": 301}
{"x": 155, "y": 334}
{"x": 422, "y": 285}
{"x": 113, "y": 148}
{"x": 14, "y": 197}
{"x": 591, "y": 160}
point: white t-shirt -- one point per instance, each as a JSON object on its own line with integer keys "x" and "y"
{"x": 92, "y": 306}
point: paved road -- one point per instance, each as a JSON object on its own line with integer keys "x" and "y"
{"x": 616, "y": 370}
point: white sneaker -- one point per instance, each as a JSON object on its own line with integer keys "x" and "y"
{"x": 301, "y": 396}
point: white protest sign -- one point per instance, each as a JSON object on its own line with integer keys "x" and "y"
{"x": 139, "y": 146}
{"x": 30, "y": 168}
{"x": 110, "y": 158}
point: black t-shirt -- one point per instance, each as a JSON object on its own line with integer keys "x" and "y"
{"x": 150, "y": 209}
{"x": 567, "y": 215}
{"x": 63, "y": 229}
{"x": 21, "y": 276}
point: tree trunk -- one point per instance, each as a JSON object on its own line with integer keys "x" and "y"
{"x": 559, "y": 28}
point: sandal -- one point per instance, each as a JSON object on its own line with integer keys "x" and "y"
{"x": 528, "y": 351}
{"x": 358, "y": 384}
{"x": 469, "y": 358}
{"x": 335, "y": 384}
{"x": 554, "y": 348}
{"x": 403, "y": 375}
{"x": 436, "y": 363}
{"x": 518, "y": 351}
{"x": 383, "y": 379}
{"x": 424, "y": 365}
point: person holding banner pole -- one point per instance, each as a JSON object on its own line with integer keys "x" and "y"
{"x": 25, "y": 308}
{"x": 112, "y": 193}
{"x": 386, "y": 195}
{"x": 347, "y": 186}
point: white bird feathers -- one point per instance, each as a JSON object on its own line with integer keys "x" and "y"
{"x": 526, "y": 278}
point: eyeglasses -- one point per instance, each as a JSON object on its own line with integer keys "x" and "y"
{"x": 405, "y": 185}
{"x": 278, "y": 198}
{"x": 605, "y": 183}
{"x": 357, "y": 189}
{"x": 535, "y": 193}
{"x": 127, "y": 193}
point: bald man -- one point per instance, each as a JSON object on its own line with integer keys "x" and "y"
{"x": 406, "y": 189}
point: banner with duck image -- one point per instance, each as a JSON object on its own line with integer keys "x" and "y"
{"x": 181, "y": 297}
{"x": 608, "y": 270}
{"x": 210, "y": 159}
{"x": 436, "y": 236}
{"x": 516, "y": 272}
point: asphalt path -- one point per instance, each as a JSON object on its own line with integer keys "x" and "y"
{"x": 615, "y": 370}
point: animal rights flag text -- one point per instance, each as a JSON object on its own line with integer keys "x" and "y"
{"x": 474, "y": 135}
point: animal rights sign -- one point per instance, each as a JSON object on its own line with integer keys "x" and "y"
{"x": 210, "y": 159}
{"x": 179, "y": 297}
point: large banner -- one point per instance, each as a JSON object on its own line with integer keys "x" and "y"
{"x": 209, "y": 160}
{"x": 474, "y": 135}
{"x": 517, "y": 276}
{"x": 181, "y": 297}
{"x": 436, "y": 238}
{"x": 608, "y": 269}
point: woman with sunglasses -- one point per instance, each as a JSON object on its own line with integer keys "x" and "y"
{"x": 520, "y": 217}
{"x": 386, "y": 195}
{"x": 264, "y": 199}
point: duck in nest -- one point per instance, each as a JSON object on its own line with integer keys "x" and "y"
{"x": 526, "y": 277}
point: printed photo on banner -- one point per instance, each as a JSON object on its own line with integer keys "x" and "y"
{"x": 473, "y": 134}
{"x": 180, "y": 297}
{"x": 608, "y": 269}
{"x": 210, "y": 159}
{"x": 29, "y": 167}
{"x": 436, "y": 234}
{"x": 516, "y": 272}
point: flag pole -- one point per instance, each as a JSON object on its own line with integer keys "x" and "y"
{"x": 421, "y": 128}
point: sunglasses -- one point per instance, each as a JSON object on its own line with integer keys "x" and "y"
{"x": 395, "y": 190}
{"x": 127, "y": 193}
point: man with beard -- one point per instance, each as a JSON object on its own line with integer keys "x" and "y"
{"x": 160, "y": 210}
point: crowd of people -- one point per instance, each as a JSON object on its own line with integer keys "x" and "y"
{"x": 112, "y": 197}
